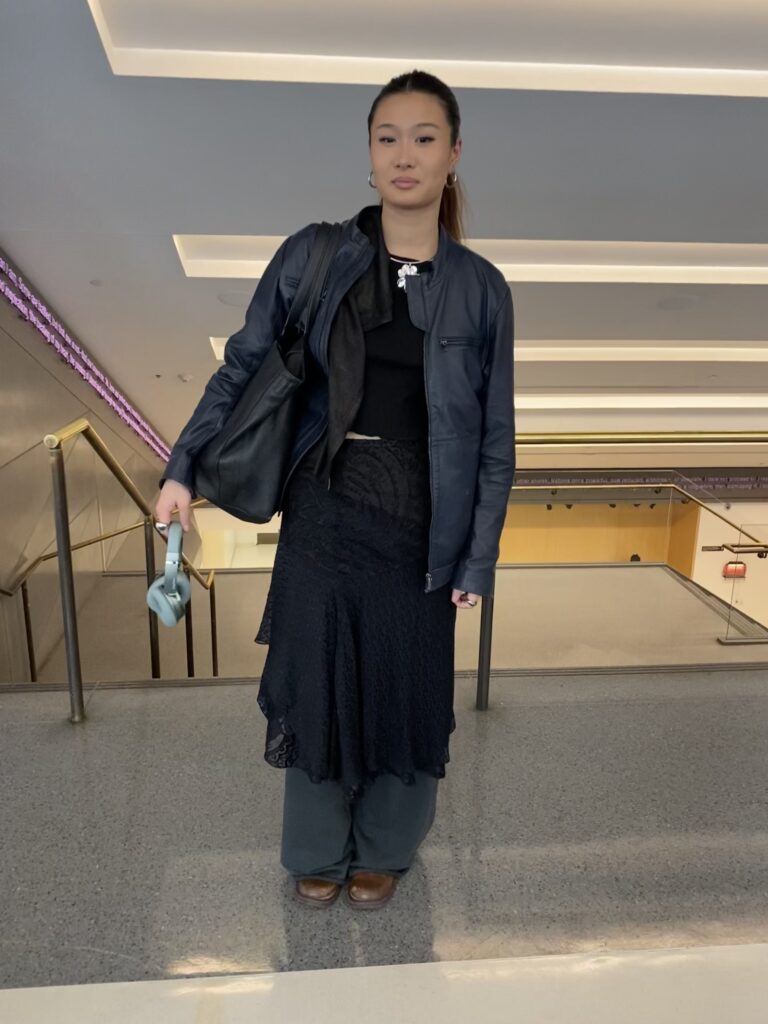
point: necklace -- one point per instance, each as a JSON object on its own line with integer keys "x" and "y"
{"x": 408, "y": 269}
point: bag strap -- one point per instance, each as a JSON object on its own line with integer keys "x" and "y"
{"x": 313, "y": 280}
{"x": 173, "y": 556}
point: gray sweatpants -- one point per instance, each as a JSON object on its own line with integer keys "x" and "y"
{"x": 326, "y": 836}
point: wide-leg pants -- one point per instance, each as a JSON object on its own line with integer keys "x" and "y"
{"x": 327, "y": 836}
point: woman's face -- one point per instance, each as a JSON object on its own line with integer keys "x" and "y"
{"x": 411, "y": 151}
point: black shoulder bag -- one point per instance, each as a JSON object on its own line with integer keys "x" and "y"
{"x": 243, "y": 468}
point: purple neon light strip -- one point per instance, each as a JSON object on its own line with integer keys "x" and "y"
{"x": 83, "y": 371}
{"x": 79, "y": 360}
{"x": 28, "y": 294}
{"x": 82, "y": 356}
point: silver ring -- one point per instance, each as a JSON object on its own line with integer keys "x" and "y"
{"x": 471, "y": 603}
{"x": 161, "y": 526}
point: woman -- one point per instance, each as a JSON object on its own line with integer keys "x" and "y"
{"x": 393, "y": 508}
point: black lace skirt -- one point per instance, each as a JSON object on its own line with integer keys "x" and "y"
{"x": 359, "y": 675}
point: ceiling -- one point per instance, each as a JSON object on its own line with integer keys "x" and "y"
{"x": 614, "y": 154}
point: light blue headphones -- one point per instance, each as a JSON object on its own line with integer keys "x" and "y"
{"x": 169, "y": 594}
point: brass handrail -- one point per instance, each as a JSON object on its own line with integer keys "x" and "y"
{"x": 83, "y": 427}
{"x": 64, "y": 548}
{"x": 24, "y": 576}
{"x": 27, "y": 572}
{"x": 14, "y": 586}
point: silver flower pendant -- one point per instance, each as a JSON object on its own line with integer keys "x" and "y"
{"x": 406, "y": 270}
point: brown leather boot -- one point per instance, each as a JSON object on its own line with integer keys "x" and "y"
{"x": 317, "y": 892}
{"x": 369, "y": 890}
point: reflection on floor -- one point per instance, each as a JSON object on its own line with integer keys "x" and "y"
{"x": 544, "y": 618}
{"x": 578, "y": 815}
{"x": 705, "y": 985}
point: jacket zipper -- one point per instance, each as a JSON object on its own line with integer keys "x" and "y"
{"x": 357, "y": 273}
{"x": 317, "y": 436}
{"x": 429, "y": 461}
{"x": 298, "y": 459}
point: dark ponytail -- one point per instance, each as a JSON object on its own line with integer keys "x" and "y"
{"x": 453, "y": 199}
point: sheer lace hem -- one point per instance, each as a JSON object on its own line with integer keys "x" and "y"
{"x": 282, "y": 751}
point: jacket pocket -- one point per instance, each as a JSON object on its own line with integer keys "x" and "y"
{"x": 464, "y": 339}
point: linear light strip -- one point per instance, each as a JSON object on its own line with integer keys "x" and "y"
{"x": 617, "y": 401}
{"x": 522, "y": 260}
{"x": 614, "y": 352}
{"x": 618, "y": 353}
{"x": 365, "y": 69}
{"x": 313, "y": 68}
{"x": 74, "y": 355}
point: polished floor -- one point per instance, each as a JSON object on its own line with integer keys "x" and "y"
{"x": 580, "y": 814}
{"x": 705, "y": 985}
{"x": 545, "y": 618}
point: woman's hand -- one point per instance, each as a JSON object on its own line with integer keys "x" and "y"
{"x": 462, "y": 599}
{"x": 173, "y": 497}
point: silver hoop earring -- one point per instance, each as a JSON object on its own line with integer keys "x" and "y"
{"x": 370, "y": 175}
{"x": 452, "y": 183}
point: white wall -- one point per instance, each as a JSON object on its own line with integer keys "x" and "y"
{"x": 749, "y": 595}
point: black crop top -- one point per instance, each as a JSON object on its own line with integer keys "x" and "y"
{"x": 394, "y": 402}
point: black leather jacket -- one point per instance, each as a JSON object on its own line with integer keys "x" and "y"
{"x": 464, "y": 306}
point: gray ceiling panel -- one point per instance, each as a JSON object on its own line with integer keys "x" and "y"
{"x": 97, "y": 171}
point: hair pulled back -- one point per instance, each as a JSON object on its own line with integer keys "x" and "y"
{"x": 452, "y": 203}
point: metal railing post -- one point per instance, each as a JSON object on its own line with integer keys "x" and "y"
{"x": 189, "y": 636}
{"x": 149, "y": 557}
{"x": 214, "y": 637}
{"x": 28, "y": 631}
{"x": 484, "y": 652}
{"x": 67, "y": 586}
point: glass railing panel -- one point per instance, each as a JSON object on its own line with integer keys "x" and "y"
{"x": 577, "y": 566}
{"x": 647, "y": 592}
{"x": 697, "y": 490}
{"x": 745, "y": 576}
{"x": 610, "y": 575}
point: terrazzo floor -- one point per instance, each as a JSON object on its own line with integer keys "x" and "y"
{"x": 579, "y": 814}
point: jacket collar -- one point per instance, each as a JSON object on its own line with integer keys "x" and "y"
{"x": 365, "y": 230}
